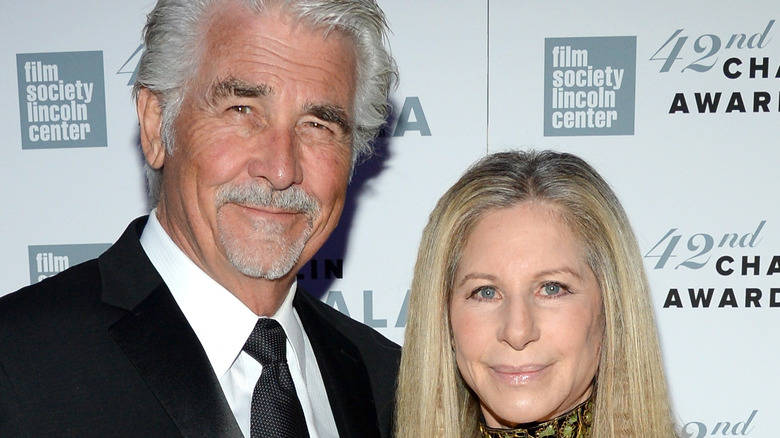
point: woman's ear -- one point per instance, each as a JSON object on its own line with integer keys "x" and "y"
{"x": 150, "y": 119}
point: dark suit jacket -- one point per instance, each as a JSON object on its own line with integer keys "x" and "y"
{"x": 102, "y": 350}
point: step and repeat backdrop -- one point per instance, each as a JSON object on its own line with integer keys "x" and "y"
{"x": 677, "y": 104}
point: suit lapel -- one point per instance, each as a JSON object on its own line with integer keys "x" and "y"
{"x": 343, "y": 372}
{"x": 158, "y": 340}
{"x": 168, "y": 355}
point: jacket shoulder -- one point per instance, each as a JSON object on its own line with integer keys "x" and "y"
{"x": 67, "y": 291}
{"x": 359, "y": 333}
{"x": 380, "y": 356}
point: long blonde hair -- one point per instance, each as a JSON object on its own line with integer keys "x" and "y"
{"x": 631, "y": 396}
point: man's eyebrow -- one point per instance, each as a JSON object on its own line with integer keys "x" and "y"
{"x": 233, "y": 87}
{"x": 332, "y": 114}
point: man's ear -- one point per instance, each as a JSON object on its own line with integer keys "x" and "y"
{"x": 150, "y": 119}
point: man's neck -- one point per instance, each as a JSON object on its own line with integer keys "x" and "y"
{"x": 262, "y": 296}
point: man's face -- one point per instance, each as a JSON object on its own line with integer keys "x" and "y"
{"x": 262, "y": 154}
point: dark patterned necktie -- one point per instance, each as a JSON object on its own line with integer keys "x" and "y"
{"x": 276, "y": 410}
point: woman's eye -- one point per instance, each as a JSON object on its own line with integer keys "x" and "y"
{"x": 485, "y": 293}
{"x": 552, "y": 289}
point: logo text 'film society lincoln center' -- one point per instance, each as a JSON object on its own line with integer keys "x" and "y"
{"x": 62, "y": 100}
{"x": 589, "y": 86}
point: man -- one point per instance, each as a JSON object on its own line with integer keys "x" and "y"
{"x": 251, "y": 118}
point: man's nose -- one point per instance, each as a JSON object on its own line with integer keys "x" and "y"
{"x": 277, "y": 158}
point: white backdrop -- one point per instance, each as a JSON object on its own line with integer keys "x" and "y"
{"x": 696, "y": 178}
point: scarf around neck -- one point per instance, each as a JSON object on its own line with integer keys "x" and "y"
{"x": 574, "y": 424}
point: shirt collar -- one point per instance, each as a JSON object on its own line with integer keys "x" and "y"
{"x": 221, "y": 321}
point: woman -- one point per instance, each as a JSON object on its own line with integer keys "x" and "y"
{"x": 530, "y": 313}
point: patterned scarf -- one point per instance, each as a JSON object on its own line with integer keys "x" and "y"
{"x": 573, "y": 424}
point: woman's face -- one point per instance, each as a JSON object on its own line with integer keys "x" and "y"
{"x": 526, "y": 316}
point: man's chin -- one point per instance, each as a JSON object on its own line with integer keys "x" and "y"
{"x": 270, "y": 262}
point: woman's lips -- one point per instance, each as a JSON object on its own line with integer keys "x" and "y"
{"x": 518, "y": 375}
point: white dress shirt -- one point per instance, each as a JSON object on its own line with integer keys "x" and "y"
{"x": 223, "y": 324}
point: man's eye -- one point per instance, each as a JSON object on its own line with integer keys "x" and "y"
{"x": 241, "y": 109}
{"x": 317, "y": 125}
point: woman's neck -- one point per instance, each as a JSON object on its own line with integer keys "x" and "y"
{"x": 574, "y": 424}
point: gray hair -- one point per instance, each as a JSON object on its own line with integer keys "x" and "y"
{"x": 173, "y": 39}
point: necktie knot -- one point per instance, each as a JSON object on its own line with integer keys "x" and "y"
{"x": 267, "y": 343}
{"x": 276, "y": 410}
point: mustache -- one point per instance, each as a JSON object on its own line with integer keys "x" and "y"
{"x": 293, "y": 198}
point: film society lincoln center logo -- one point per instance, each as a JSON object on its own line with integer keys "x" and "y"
{"x": 62, "y": 101}
{"x": 48, "y": 260}
{"x": 589, "y": 86}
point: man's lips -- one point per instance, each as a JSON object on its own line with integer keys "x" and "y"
{"x": 267, "y": 209}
